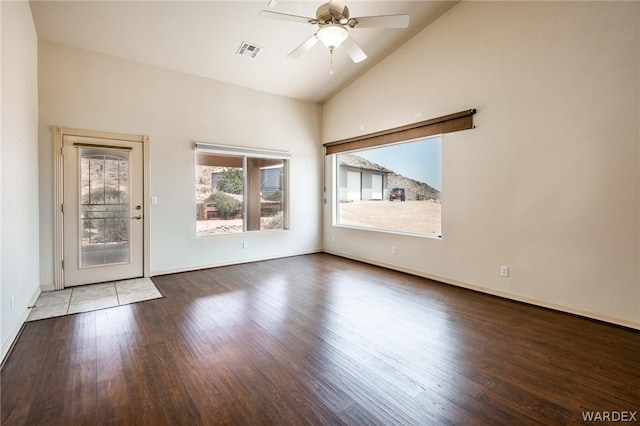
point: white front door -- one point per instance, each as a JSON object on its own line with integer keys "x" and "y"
{"x": 103, "y": 210}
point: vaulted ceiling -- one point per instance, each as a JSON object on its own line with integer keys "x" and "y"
{"x": 202, "y": 38}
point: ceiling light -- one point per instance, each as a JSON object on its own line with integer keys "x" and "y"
{"x": 332, "y": 35}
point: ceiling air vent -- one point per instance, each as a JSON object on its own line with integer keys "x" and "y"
{"x": 249, "y": 50}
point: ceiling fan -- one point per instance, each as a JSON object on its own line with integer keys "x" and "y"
{"x": 333, "y": 22}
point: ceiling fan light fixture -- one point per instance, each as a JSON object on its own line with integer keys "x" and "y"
{"x": 332, "y": 35}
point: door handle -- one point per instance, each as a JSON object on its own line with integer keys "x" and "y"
{"x": 137, "y": 217}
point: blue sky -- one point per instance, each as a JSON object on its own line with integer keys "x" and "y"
{"x": 419, "y": 160}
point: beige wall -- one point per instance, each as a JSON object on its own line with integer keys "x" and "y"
{"x": 549, "y": 181}
{"x": 87, "y": 90}
{"x": 19, "y": 278}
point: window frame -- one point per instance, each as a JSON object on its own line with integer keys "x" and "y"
{"x": 246, "y": 155}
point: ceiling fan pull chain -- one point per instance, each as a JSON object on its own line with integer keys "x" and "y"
{"x": 331, "y": 54}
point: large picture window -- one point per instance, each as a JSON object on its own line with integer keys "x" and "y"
{"x": 389, "y": 180}
{"x": 392, "y": 188}
{"x": 239, "y": 190}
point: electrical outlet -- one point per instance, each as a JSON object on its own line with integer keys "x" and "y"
{"x": 11, "y": 303}
{"x": 394, "y": 250}
{"x": 333, "y": 238}
{"x": 245, "y": 244}
{"x": 504, "y": 271}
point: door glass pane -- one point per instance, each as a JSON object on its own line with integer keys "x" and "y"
{"x": 104, "y": 206}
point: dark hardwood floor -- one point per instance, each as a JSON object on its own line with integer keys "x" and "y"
{"x": 318, "y": 340}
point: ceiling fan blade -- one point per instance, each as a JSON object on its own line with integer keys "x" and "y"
{"x": 286, "y": 17}
{"x": 382, "y": 21}
{"x": 306, "y": 45}
{"x": 353, "y": 50}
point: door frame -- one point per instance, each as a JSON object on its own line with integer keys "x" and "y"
{"x": 59, "y": 133}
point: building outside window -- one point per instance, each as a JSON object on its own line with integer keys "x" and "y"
{"x": 392, "y": 188}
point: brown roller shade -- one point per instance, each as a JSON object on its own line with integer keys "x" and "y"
{"x": 446, "y": 124}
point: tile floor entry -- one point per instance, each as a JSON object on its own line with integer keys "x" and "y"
{"x": 93, "y": 297}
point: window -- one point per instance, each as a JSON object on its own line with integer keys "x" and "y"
{"x": 392, "y": 187}
{"x": 239, "y": 190}
{"x": 390, "y": 180}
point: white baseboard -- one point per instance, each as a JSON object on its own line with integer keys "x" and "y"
{"x": 506, "y": 295}
{"x": 563, "y": 308}
{"x": 235, "y": 262}
{"x": 47, "y": 287}
{"x": 6, "y": 346}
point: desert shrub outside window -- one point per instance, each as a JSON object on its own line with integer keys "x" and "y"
{"x": 393, "y": 188}
{"x": 240, "y": 190}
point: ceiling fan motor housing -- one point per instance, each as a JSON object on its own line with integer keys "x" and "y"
{"x": 330, "y": 15}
